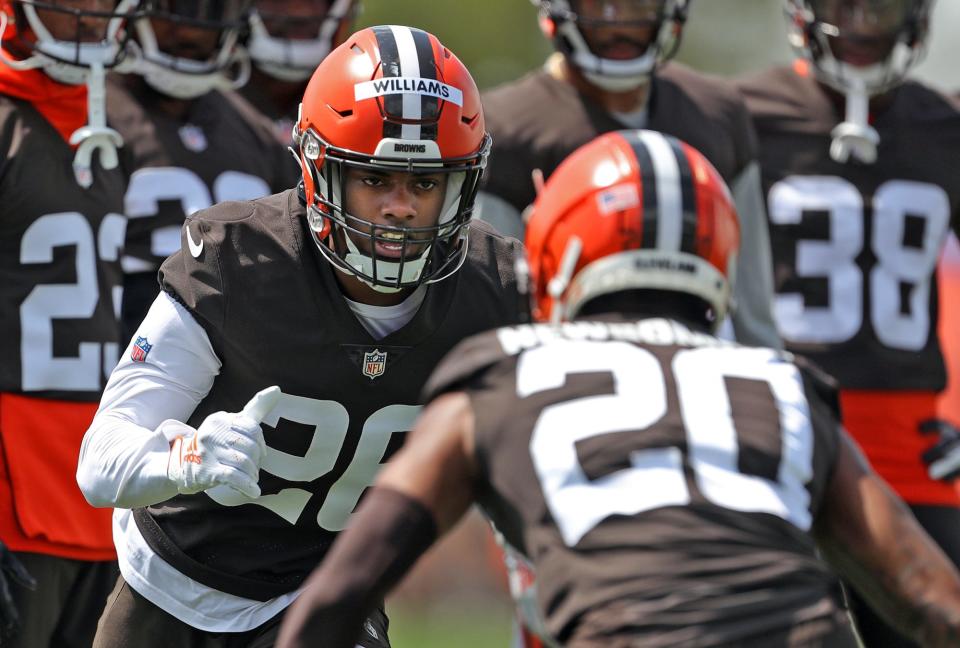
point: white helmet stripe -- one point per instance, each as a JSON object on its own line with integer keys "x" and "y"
{"x": 409, "y": 67}
{"x": 669, "y": 193}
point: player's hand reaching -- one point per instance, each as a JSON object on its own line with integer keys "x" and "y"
{"x": 943, "y": 458}
{"x": 10, "y": 570}
{"x": 227, "y": 449}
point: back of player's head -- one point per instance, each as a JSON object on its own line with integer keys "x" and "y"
{"x": 632, "y": 211}
{"x": 873, "y": 43}
{"x": 391, "y": 98}
{"x": 616, "y": 44}
{"x": 64, "y": 39}
{"x": 190, "y": 47}
{"x": 288, "y": 38}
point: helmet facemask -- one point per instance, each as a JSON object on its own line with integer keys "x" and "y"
{"x": 99, "y": 42}
{"x": 441, "y": 248}
{"x": 98, "y": 38}
{"x": 564, "y": 24}
{"x": 861, "y": 48}
{"x": 279, "y": 54}
{"x": 179, "y": 72}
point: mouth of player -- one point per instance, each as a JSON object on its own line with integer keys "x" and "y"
{"x": 862, "y": 52}
{"x": 394, "y": 245}
{"x": 623, "y": 51}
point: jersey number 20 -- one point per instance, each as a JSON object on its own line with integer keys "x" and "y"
{"x": 656, "y": 477}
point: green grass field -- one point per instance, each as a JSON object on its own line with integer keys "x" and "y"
{"x": 443, "y": 626}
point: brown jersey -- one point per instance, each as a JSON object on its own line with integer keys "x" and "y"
{"x": 663, "y": 482}
{"x": 221, "y": 149}
{"x": 275, "y": 315}
{"x": 60, "y": 272}
{"x": 698, "y": 109}
{"x": 282, "y": 121}
{"x": 855, "y": 246}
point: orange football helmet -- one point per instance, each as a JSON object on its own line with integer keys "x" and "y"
{"x": 391, "y": 98}
{"x": 631, "y": 210}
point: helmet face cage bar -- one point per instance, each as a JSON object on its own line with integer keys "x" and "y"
{"x": 614, "y": 74}
{"x": 185, "y": 77}
{"x": 210, "y": 14}
{"x": 812, "y": 32}
{"x": 288, "y": 47}
{"x": 570, "y": 13}
{"x": 444, "y": 244}
{"x": 111, "y": 48}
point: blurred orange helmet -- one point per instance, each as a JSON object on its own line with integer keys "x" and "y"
{"x": 631, "y": 210}
{"x": 391, "y": 98}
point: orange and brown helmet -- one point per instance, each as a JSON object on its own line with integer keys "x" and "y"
{"x": 391, "y": 98}
{"x": 631, "y": 210}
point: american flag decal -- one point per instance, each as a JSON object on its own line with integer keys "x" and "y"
{"x": 140, "y": 349}
{"x": 374, "y": 363}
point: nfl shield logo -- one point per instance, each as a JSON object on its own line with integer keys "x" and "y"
{"x": 374, "y": 363}
{"x": 193, "y": 138}
{"x": 140, "y": 349}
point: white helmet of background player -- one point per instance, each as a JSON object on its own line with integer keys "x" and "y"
{"x": 190, "y": 47}
{"x": 642, "y": 34}
{"x": 96, "y": 36}
{"x": 874, "y": 43}
{"x": 289, "y": 38}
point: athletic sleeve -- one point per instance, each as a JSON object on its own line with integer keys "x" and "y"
{"x": 168, "y": 368}
{"x": 752, "y": 318}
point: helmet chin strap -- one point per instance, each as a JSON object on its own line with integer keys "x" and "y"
{"x": 389, "y": 270}
{"x": 186, "y": 86}
{"x": 855, "y": 137}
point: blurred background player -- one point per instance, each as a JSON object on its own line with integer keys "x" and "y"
{"x": 193, "y": 141}
{"x": 286, "y": 40}
{"x": 687, "y": 517}
{"x": 345, "y": 292}
{"x": 609, "y": 72}
{"x": 859, "y": 169}
{"x": 60, "y": 283}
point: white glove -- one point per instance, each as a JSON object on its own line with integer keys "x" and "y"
{"x": 227, "y": 449}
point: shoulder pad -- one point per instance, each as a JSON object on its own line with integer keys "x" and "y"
{"x": 469, "y": 358}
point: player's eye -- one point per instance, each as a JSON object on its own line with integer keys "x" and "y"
{"x": 427, "y": 184}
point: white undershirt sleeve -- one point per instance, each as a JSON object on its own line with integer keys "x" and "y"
{"x": 123, "y": 458}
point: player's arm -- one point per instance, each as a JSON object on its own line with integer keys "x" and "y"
{"x": 753, "y": 321}
{"x": 138, "y": 451}
{"x": 421, "y": 493}
{"x": 872, "y": 538}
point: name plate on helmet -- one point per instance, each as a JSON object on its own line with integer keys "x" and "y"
{"x": 408, "y": 85}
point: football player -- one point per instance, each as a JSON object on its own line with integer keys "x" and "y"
{"x": 345, "y": 293}
{"x": 858, "y": 166}
{"x": 61, "y": 232}
{"x": 286, "y": 40}
{"x": 193, "y": 141}
{"x": 670, "y": 487}
{"x": 609, "y": 72}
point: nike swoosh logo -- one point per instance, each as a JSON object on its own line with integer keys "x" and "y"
{"x": 195, "y": 248}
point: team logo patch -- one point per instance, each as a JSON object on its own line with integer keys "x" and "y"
{"x": 374, "y": 363}
{"x": 193, "y": 138}
{"x": 618, "y": 198}
{"x": 140, "y": 349}
{"x": 408, "y": 85}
